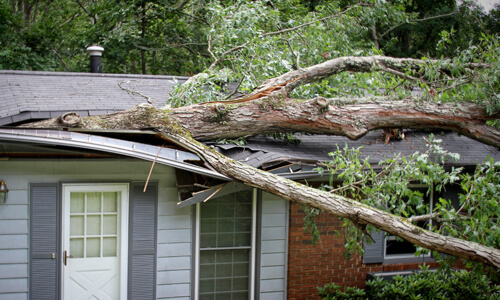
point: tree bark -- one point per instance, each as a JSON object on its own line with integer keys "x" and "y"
{"x": 287, "y": 82}
{"x": 316, "y": 116}
{"x": 333, "y": 117}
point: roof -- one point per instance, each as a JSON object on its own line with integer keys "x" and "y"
{"x": 27, "y": 95}
{"x": 267, "y": 153}
{"x": 162, "y": 155}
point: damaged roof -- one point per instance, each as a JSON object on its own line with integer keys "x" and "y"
{"x": 31, "y": 138}
{"x": 29, "y": 96}
{"x": 280, "y": 156}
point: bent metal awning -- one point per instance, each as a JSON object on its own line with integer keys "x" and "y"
{"x": 167, "y": 156}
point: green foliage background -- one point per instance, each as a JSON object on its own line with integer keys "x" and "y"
{"x": 172, "y": 36}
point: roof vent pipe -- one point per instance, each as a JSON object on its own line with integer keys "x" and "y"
{"x": 95, "y": 58}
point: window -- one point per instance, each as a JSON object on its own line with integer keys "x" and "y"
{"x": 396, "y": 248}
{"x": 94, "y": 224}
{"x": 226, "y": 253}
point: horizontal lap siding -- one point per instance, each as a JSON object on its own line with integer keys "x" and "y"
{"x": 14, "y": 239}
{"x": 14, "y": 215}
{"x": 174, "y": 247}
{"x": 273, "y": 247}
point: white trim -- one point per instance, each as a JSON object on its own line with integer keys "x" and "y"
{"x": 123, "y": 188}
{"x": 251, "y": 286}
{"x": 197, "y": 253}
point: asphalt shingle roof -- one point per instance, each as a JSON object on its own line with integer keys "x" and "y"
{"x": 26, "y": 95}
{"x": 266, "y": 152}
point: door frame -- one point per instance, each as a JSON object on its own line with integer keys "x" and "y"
{"x": 124, "y": 188}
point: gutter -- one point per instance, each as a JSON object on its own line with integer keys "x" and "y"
{"x": 169, "y": 157}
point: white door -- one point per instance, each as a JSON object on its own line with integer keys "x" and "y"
{"x": 95, "y": 241}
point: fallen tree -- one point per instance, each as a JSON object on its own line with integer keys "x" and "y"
{"x": 271, "y": 109}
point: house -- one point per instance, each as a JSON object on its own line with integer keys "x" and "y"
{"x": 111, "y": 214}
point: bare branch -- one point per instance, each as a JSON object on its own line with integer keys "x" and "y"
{"x": 466, "y": 200}
{"x": 223, "y": 55}
{"x": 312, "y": 22}
{"x": 209, "y": 49}
{"x": 134, "y": 92}
{"x": 417, "y": 20}
{"x": 435, "y": 217}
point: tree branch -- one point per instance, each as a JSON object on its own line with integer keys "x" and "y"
{"x": 319, "y": 116}
{"x": 341, "y": 206}
{"x": 417, "y": 20}
{"x": 287, "y": 82}
{"x": 433, "y": 216}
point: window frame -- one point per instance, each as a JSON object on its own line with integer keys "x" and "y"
{"x": 253, "y": 249}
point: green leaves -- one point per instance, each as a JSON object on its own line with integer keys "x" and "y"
{"x": 402, "y": 185}
{"x": 428, "y": 284}
{"x": 479, "y": 205}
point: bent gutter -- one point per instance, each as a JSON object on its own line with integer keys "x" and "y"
{"x": 169, "y": 157}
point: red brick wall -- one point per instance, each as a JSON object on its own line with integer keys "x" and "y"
{"x": 312, "y": 266}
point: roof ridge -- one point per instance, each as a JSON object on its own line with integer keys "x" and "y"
{"x": 82, "y": 74}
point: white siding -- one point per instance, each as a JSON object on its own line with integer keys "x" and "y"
{"x": 174, "y": 247}
{"x": 14, "y": 215}
{"x": 13, "y": 241}
{"x": 273, "y": 249}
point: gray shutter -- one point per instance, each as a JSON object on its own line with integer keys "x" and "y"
{"x": 374, "y": 253}
{"x": 44, "y": 245}
{"x": 142, "y": 242}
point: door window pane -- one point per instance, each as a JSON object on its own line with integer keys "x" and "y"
{"x": 76, "y": 248}
{"x": 94, "y": 220}
{"x": 77, "y": 202}
{"x": 109, "y": 224}
{"x": 77, "y": 225}
{"x": 110, "y": 201}
{"x": 109, "y": 247}
{"x": 93, "y": 202}
{"x": 93, "y": 225}
{"x": 93, "y": 247}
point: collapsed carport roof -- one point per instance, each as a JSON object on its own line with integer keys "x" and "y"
{"x": 167, "y": 156}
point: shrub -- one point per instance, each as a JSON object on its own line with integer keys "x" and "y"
{"x": 422, "y": 285}
{"x": 332, "y": 291}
